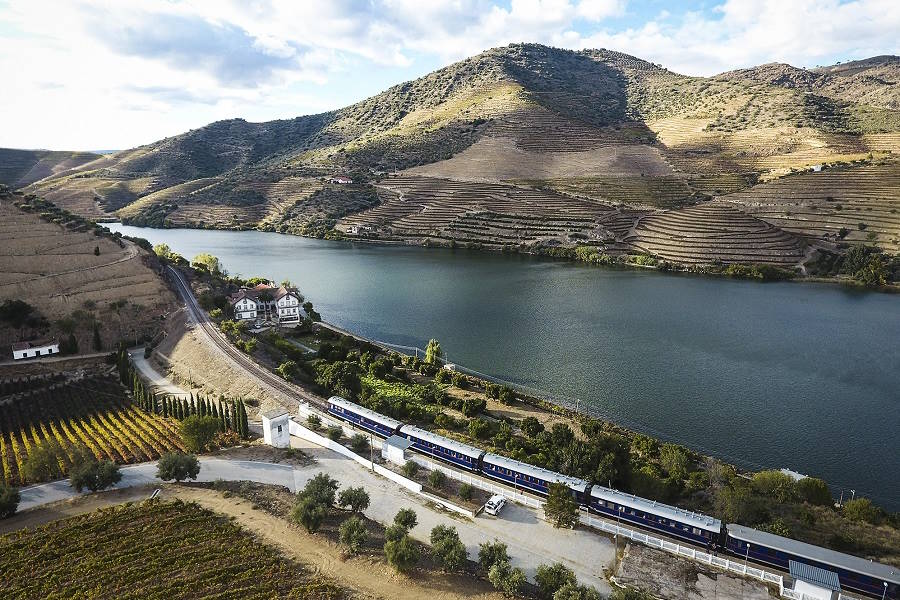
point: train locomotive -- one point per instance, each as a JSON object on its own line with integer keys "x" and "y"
{"x": 854, "y": 573}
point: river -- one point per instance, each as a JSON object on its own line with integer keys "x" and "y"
{"x": 798, "y": 375}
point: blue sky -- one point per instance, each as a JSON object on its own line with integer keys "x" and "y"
{"x": 101, "y": 74}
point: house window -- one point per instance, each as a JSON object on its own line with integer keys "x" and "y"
{"x": 279, "y": 429}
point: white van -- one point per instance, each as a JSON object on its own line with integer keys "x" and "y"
{"x": 494, "y": 505}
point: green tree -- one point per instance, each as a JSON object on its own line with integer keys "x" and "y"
{"x": 395, "y": 532}
{"x": 335, "y": 432}
{"x": 309, "y": 513}
{"x": 479, "y": 429}
{"x": 775, "y": 484}
{"x": 198, "y": 431}
{"x": 288, "y": 370}
{"x": 314, "y": 421}
{"x": 675, "y": 460}
{"x": 42, "y": 463}
{"x": 506, "y": 579}
{"x": 321, "y": 489}
{"x": 530, "y": 426}
{"x": 162, "y": 250}
{"x": 447, "y": 548}
{"x": 94, "y": 475}
{"x": 737, "y": 504}
{"x": 561, "y": 508}
{"x": 401, "y": 554}
{"x": 433, "y": 352}
{"x": 490, "y": 553}
{"x": 861, "y": 509}
{"x": 356, "y": 498}
{"x": 466, "y": 491}
{"x": 341, "y": 378}
{"x": 209, "y": 263}
{"x": 406, "y": 518}
{"x": 550, "y": 578}
{"x": 9, "y": 500}
{"x": 97, "y": 341}
{"x": 359, "y": 443}
{"x": 177, "y": 466}
{"x": 814, "y": 491}
{"x": 353, "y": 534}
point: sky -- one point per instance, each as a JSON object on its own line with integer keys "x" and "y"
{"x": 108, "y": 74}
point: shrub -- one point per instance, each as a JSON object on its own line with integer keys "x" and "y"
{"x": 353, "y": 534}
{"x": 774, "y": 483}
{"x": 459, "y": 380}
{"x": 410, "y": 468}
{"x": 466, "y": 491}
{"x": 490, "y": 553}
{"x": 356, "y": 498}
{"x": 94, "y": 475}
{"x": 406, "y": 518}
{"x": 472, "y": 407}
{"x": 41, "y": 463}
{"x": 9, "y": 501}
{"x": 507, "y": 395}
{"x": 530, "y": 426}
{"x": 335, "y": 432}
{"x": 550, "y": 578}
{"x": 401, "y": 554}
{"x": 198, "y": 431}
{"x": 447, "y": 548}
{"x": 359, "y": 443}
{"x": 436, "y": 479}
{"x": 314, "y": 421}
{"x": 177, "y": 466}
{"x": 572, "y": 591}
{"x": 394, "y": 532}
{"x": 445, "y": 421}
{"x": 479, "y": 429}
{"x": 288, "y": 370}
{"x": 506, "y": 579}
{"x": 442, "y": 376}
{"x": 675, "y": 461}
{"x": 814, "y": 491}
{"x": 861, "y": 509}
{"x": 309, "y": 513}
{"x": 561, "y": 508}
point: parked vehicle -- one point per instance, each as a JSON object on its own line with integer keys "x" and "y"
{"x": 494, "y": 505}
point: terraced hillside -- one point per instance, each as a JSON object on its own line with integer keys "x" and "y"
{"x": 593, "y": 131}
{"x": 857, "y": 204}
{"x": 714, "y": 232}
{"x": 60, "y": 272}
{"x": 491, "y": 215}
{"x": 19, "y": 168}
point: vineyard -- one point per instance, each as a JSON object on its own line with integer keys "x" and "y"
{"x": 153, "y": 550}
{"x": 94, "y": 411}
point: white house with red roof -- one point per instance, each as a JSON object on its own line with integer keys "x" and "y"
{"x": 267, "y": 302}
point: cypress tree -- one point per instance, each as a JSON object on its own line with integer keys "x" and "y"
{"x": 214, "y": 412}
{"x": 165, "y": 406}
{"x": 222, "y": 420}
{"x": 245, "y": 425}
{"x": 232, "y": 421}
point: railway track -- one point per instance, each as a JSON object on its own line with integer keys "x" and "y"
{"x": 266, "y": 378}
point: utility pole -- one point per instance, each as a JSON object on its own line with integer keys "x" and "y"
{"x": 746, "y": 558}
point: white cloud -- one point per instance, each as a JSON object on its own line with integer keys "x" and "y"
{"x": 102, "y": 73}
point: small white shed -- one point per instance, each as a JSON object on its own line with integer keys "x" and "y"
{"x": 394, "y": 449}
{"x": 34, "y": 349}
{"x": 276, "y": 431}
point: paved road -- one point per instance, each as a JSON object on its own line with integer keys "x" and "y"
{"x": 531, "y": 541}
{"x": 160, "y": 382}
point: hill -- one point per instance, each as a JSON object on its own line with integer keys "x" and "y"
{"x": 19, "y": 168}
{"x": 74, "y": 279}
{"x": 514, "y": 137}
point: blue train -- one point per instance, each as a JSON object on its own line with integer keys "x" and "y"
{"x": 854, "y": 573}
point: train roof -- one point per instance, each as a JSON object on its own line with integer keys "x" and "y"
{"x": 659, "y": 509}
{"x": 365, "y": 412}
{"x": 579, "y": 485}
{"x": 440, "y": 440}
{"x": 816, "y": 553}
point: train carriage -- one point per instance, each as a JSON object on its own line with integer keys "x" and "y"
{"x": 456, "y": 453}
{"x": 649, "y": 514}
{"x": 854, "y": 573}
{"x": 362, "y": 417}
{"x": 528, "y": 477}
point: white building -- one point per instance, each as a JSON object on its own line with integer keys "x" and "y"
{"x": 245, "y": 308}
{"x": 276, "y": 431}
{"x": 287, "y": 306}
{"x": 268, "y": 303}
{"x": 33, "y": 349}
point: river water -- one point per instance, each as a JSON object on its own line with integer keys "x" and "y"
{"x": 796, "y": 375}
